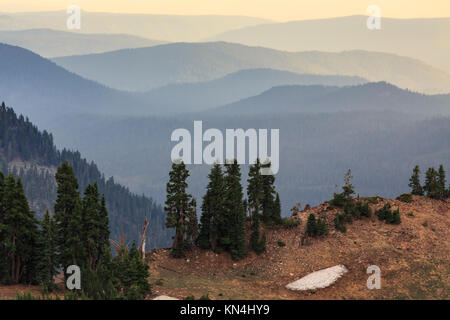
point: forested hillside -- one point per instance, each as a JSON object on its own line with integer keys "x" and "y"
{"x": 31, "y": 155}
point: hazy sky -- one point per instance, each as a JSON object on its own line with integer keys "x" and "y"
{"x": 281, "y": 10}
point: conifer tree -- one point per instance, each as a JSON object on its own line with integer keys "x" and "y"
{"x": 47, "y": 264}
{"x": 277, "y": 210}
{"x": 178, "y": 207}
{"x": 255, "y": 192}
{"x": 414, "y": 182}
{"x": 21, "y": 233}
{"x": 3, "y": 248}
{"x": 268, "y": 201}
{"x": 212, "y": 221}
{"x": 348, "y": 187}
{"x": 311, "y": 226}
{"x": 93, "y": 225}
{"x": 68, "y": 219}
{"x": 321, "y": 227}
{"x": 442, "y": 182}
{"x": 432, "y": 185}
{"x": 192, "y": 223}
{"x": 234, "y": 206}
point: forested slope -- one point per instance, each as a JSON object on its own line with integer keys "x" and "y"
{"x": 31, "y": 155}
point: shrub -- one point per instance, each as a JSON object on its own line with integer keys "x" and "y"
{"x": 386, "y": 214}
{"x": 363, "y": 209}
{"x": 373, "y": 200}
{"x": 406, "y": 197}
{"x": 290, "y": 223}
{"x": 321, "y": 227}
{"x": 339, "y": 222}
{"x": 281, "y": 243}
{"x": 339, "y": 200}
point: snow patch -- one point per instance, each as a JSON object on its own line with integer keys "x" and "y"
{"x": 164, "y": 298}
{"x": 319, "y": 279}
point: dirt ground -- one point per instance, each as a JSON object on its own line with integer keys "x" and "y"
{"x": 414, "y": 258}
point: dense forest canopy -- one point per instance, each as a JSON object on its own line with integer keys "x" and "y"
{"x": 31, "y": 155}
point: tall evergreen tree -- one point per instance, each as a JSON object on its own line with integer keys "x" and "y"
{"x": 95, "y": 226}
{"x": 179, "y": 207}
{"x": 47, "y": 264}
{"x": 68, "y": 219}
{"x": 21, "y": 233}
{"x": 3, "y": 247}
{"x": 268, "y": 201}
{"x": 234, "y": 206}
{"x": 276, "y": 214}
{"x": 414, "y": 182}
{"x": 212, "y": 222}
{"x": 255, "y": 192}
{"x": 432, "y": 185}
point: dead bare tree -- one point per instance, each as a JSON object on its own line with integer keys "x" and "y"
{"x": 144, "y": 238}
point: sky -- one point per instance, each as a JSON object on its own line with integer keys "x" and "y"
{"x": 278, "y": 10}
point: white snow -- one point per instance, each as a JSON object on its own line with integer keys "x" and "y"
{"x": 165, "y": 298}
{"x": 319, "y": 279}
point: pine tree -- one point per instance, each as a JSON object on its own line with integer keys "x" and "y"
{"x": 348, "y": 187}
{"x": 91, "y": 226}
{"x": 396, "y": 217}
{"x": 311, "y": 226}
{"x": 414, "y": 182}
{"x": 268, "y": 201}
{"x": 255, "y": 191}
{"x": 213, "y": 224}
{"x": 47, "y": 264}
{"x": 21, "y": 233}
{"x": 68, "y": 219}
{"x": 192, "y": 223}
{"x": 277, "y": 210}
{"x": 321, "y": 226}
{"x": 234, "y": 206}
{"x": 442, "y": 182}
{"x": 3, "y": 248}
{"x": 178, "y": 207}
{"x": 432, "y": 186}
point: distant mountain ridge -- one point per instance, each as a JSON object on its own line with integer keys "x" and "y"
{"x": 42, "y": 90}
{"x": 198, "y": 96}
{"x": 423, "y": 39}
{"x": 151, "y": 26}
{"x": 147, "y": 68}
{"x": 371, "y": 96}
{"x": 53, "y": 43}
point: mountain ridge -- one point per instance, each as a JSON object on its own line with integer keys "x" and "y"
{"x": 145, "y": 68}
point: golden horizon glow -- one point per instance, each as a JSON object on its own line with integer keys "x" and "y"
{"x": 277, "y": 10}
